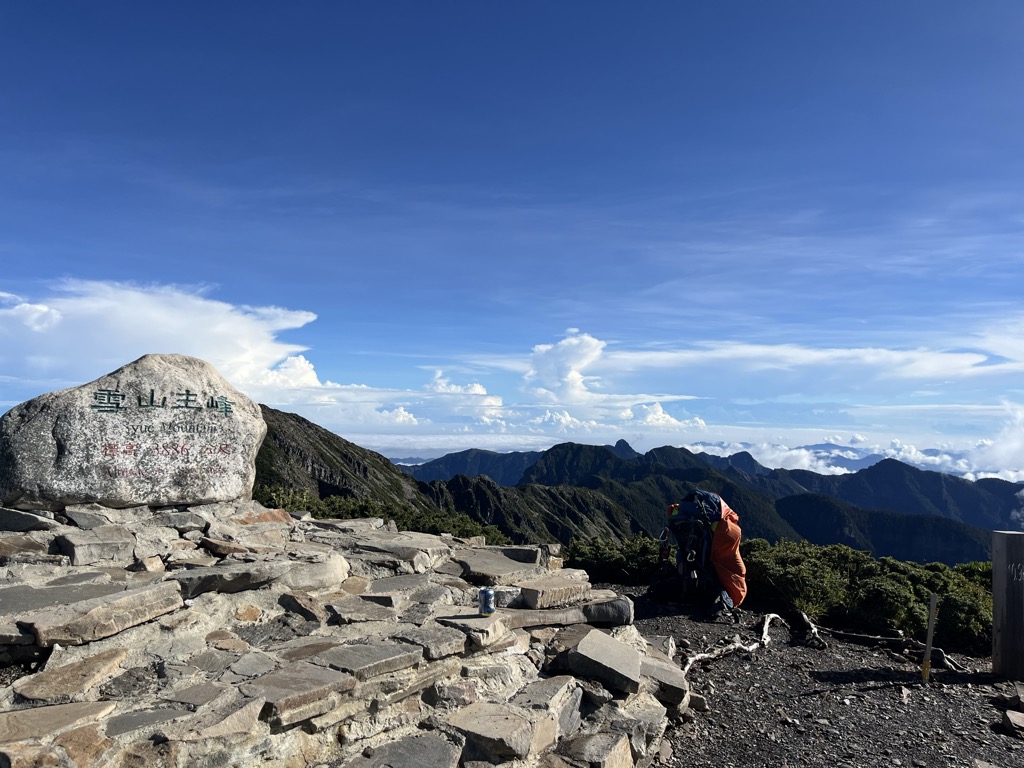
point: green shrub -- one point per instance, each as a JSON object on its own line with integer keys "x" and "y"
{"x": 632, "y": 561}
{"x": 847, "y": 589}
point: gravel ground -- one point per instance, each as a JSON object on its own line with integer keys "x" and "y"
{"x": 848, "y": 705}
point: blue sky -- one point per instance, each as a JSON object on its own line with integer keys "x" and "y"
{"x": 434, "y": 226}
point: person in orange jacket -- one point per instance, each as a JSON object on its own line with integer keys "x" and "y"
{"x": 725, "y": 554}
{"x": 726, "y": 562}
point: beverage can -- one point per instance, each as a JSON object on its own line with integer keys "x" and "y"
{"x": 486, "y": 601}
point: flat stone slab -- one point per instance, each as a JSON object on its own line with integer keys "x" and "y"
{"x": 483, "y": 631}
{"x": 607, "y": 750}
{"x": 182, "y": 522}
{"x": 406, "y": 582}
{"x": 304, "y": 605}
{"x": 604, "y": 658}
{"x": 18, "y": 520}
{"x": 61, "y": 684}
{"x": 560, "y": 695}
{"x": 494, "y": 731}
{"x": 355, "y": 525}
{"x": 12, "y": 634}
{"x": 299, "y": 691}
{"x": 524, "y": 553}
{"x": 1014, "y": 722}
{"x": 143, "y": 718}
{"x": 422, "y": 551}
{"x": 106, "y": 544}
{"x": 348, "y": 609}
{"x": 195, "y": 695}
{"x": 303, "y": 648}
{"x": 366, "y": 661}
{"x": 491, "y": 568}
{"x": 254, "y": 664}
{"x": 43, "y": 722}
{"x": 220, "y": 720}
{"x": 671, "y": 685}
{"x": 547, "y": 693}
{"x": 228, "y": 578}
{"x": 554, "y": 591}
{"x": 23, "y": 598}
{"x": 436, "y": 642}
{"x": 89, "y": 620}
{"x": 427, "y": 750}
{"x": 20, "y": 545}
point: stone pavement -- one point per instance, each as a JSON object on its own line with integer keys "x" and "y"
{"x": 229, "y": 634}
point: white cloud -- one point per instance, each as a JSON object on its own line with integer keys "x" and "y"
{"x": 773, "y": 455}
{"x": 577, "y": 387}
{"x": 556, "y": 371}
{"x": 563, "y": 422}
{"x": 400, "y": 416}
{"x": 654, "y": 415}
{"x": 868, "y": 361}
{"x": 292, "y": 372}
{"x": 440, "y": 383}
{"x": 1004, "y": 455}
{"x": 35, "y": 317}
{"x": 86, "y": 328}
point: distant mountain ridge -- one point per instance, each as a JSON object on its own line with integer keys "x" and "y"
{"x": 504, "y": 468}
{"x": 584, "y": 491}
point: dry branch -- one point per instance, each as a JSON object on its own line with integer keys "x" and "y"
{"x": 736, "y": 645}
{"x": 899, "y": 643}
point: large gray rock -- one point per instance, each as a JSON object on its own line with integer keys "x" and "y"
{"x": 607, "y": 660}
{"x": 163, "y": 430}
{"x": 496, "y": 731}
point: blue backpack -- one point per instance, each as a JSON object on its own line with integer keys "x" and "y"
{"x": 690, "y": 528}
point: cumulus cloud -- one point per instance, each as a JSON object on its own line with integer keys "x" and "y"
{"x": 83, "y": 329}
{"x": 399, "y": 416}
{"x": 440, "y": 383}
{"x": 557, "y": 370}
{"x": 654, "y": 415}
{"x": 1003, "y": 456}
{"x": 563, "y": 422}
{"x": 292, "y": 372}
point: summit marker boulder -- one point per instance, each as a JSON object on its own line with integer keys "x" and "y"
{"x": 163, "y": 430}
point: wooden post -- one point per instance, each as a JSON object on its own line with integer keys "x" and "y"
{"x": 1008, "y": 604}
{"x": 926, "y": 662}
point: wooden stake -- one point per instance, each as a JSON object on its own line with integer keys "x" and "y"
{"x": 926, "y": 662}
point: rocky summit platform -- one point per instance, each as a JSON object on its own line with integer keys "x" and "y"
{"x": 152, "y": 614}
{"x": 231, "y": 634}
